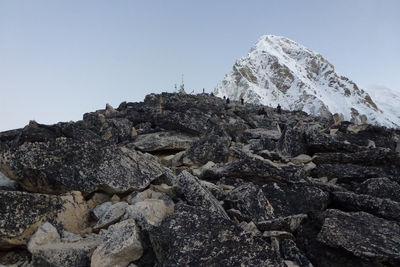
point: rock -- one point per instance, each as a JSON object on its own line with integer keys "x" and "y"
{"x": 278, "y": 234}
{"x": 199, "y": 237}
{"x": 250, "y": 200}
{"x": 288, "y": 224}
{"x": 101, "y": 209}
{"x": 164, "y": 188}
{"x": 250, "y": 228}
{"x": 295, "y": 198}
{"x": 291, "y": 252}
{"x": 48, "y": 249}
{"x": 292, "y": 142}
{"x": 115, "y": 199}
{"x": 302, "y": 158}
{"x": 113, "y": 214}
{"x": 149, "y": 212}
{"x": 195, "y": 194}
{"x": 6, "y": 183}
{"x": 380, "y": 207}
{"x": 376, "y": 156}
{"x": 173, "y": 160}
{"x": 217, "y": 192}
{"x": 381, "y": 188}
{"x": 97, "y": 199}
{"x": 121, "y": 245}
{"x": 254, "y": 169}
{"x": 65, "y": 165}
{"x": 163, "y": 141}
{"x": 22, "y": 213}
{"x": 349, "y": 231}
{"x": 214, "y": 146}
{"x": 200, "y": 171}
{"x": 347, "y": 173}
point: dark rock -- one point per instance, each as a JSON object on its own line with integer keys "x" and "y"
{"x": 250, "y": 200}
{"x": 291, "y": 252}
{"x": 294, "y": 199}
{"x": 381, "y": 188}
{"x": 293, "y": 142}
{"x": 348, "y": 231}
{"x": 321, "y": 254}
{"x": 289, "y": 223}
{"x": 65, "y": 165}
{"x": 197, "y": 195}
{"x": 162, "y": 141}
{"x": 214, "y": 146}
{"x": 197, "y": 237}
{"x": 369, "y": 157}
{"x": 22, "y": 213}
{"x": 380, "y": 207}
{"x": 347, "y": 173}
{"x": 254, "y": 169}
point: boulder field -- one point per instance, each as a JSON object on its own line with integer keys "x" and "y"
{"x": 189, "y": 180}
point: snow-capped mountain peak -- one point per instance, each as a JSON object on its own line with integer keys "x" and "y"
{"x": 278, "y": 70}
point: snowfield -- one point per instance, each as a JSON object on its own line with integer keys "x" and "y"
{"x": 279, "y": 70}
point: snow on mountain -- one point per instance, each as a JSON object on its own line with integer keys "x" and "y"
{"x": 279, "y": 70}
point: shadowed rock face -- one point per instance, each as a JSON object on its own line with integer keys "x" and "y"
{"x": 225, "y": 186}
{"x": 192, "y": 241}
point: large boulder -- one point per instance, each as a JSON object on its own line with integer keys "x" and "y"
{"x": 195, "y": 194}
{"x": 380, "y": 207}
{"x": 295, "y": 199}
{"x": 22, "y": 213}
{"x": 214, "y": 146}
{"x": 198, "y": 237}
{"x": 251, "y": 202}
{"x": 65, "y": 164}
{"x": 121, "y": 245}
{"x": 49, "y": 249}
{"x": 381, "y": 188}
{"x": 163, "y": 141}
{"x": 363, "y": 235}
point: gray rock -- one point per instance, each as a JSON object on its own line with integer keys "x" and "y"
{"x": 6, "y": 183}
{"x": 195, "y": 194}
{"x": 149, "y": 212}
{"x": 363, "y": 235}
{"x": 262, "y": 133}
{"x": 101, "y": 209}
{"x": 380, "y": 207}
{"x": 251, "y": 201}
{"x": 65, "y": 165}
{"x": 291, "y": 252}
{"x": 22, "y": 213}
{"x": 113, "y": 214}
{"x": 289, "y": 223}
{"x": 163, "y": 141}
{"x": 121, "y": 245}
{"x": 193, "y": 236}
{"x": 294, "y": 199}
{"x": 48, "y": 249}
{"x": 381, "y": 188}
{"x": 278, "y": 234}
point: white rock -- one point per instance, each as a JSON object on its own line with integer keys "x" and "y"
{"x": 112, "y": 215}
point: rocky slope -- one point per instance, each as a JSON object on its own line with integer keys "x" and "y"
{"x": 279, "y": 70}
{"x": 185, "y": 180}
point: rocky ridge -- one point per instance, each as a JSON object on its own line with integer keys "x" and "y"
{"x": 181, "y": 180}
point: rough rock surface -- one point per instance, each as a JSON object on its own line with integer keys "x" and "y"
{"x": 121, "y": 246}
{"x": 192, "y": 242}
{"x": 225, "y": 186}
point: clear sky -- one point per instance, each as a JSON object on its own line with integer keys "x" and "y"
{"x": 60, "y": 59}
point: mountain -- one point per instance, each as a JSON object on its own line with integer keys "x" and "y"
{"x": 280, "y": 71}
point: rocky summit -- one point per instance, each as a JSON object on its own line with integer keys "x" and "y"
{"x": 190, "y": 180}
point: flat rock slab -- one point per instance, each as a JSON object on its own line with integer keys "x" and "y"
{"x": 194, "y": 236}
{"x": 169, "y": 140}
{"x": 363, "y": 235}
{"x": 65, "y": 164}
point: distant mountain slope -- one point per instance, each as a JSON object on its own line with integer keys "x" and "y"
{"x": 279, "y": 70}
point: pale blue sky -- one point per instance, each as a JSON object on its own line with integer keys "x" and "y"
{"x": 60, "y": 59}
